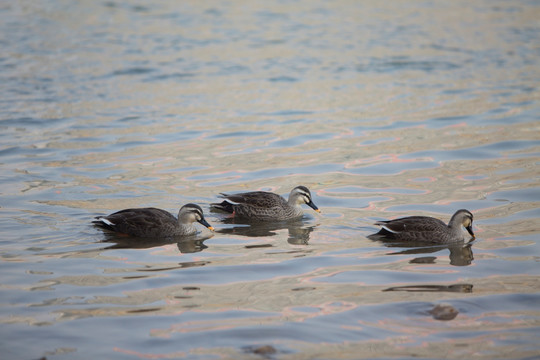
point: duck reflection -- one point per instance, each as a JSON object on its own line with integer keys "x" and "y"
{"x": 298, "y": 232}
{"x": 460, "y": 252}
{"x": 186, "y": 244}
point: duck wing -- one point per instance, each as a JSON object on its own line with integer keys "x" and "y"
{"x": 136, "y": 221}
{"x": 256, "y": 199}
{"x": 419, "y": 224}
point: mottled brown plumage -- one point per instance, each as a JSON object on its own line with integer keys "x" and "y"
{"x": 153, "y": 222}
{"x": 266, "y": 206}
{"x": 428, "y": 229}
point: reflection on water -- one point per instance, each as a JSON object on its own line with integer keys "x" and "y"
{"x": 186, "y": 244}
{"x": 383, "y": 109}
{"x": 460, "y": 253}
{"x": 298, "y": 231}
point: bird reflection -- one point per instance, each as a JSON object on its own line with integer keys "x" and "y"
{"x": 298, "y": 232}
{"x": 186, "y": 244}
{"x": 460, "y": 253}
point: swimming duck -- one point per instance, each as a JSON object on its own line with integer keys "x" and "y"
{"x": 266, "y": 206}
{"x": 428, "y": 229}
{"x": 152, "y": 222}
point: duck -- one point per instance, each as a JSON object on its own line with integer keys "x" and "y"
{"x": 428, "y": 229}
{"x": 266, "y": 206}
{"x": 154, "y": 223}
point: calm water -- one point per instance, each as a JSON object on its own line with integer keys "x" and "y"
{"x": 382, "y": 109}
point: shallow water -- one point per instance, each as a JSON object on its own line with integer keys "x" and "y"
{"x": 381, "y": 109}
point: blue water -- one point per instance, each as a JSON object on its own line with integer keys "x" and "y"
{"x": 381, "y": 109}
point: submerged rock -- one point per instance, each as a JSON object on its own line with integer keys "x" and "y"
{"x": 264, "y": 350}
{"x": 444, "y": 312}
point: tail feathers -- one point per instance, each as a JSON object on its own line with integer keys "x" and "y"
{"x": 386, "y": 232}
{"x": 224, "y": 206}
{"x": 103, "y": 222}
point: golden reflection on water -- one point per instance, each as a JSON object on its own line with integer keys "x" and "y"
{"x": 422, "y": 120}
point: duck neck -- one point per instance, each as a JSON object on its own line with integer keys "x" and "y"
{"x": 183, "y": 219}
{"x": 454, "y": 223}
{"x": 293, "y": 201}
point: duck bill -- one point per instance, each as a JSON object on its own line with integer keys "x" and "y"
{"x": 205, "y": 223}
{"x": 313, "y": 206}
{"x": 470, "y": 230}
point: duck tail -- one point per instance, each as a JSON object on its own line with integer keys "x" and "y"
{"x": 224, "y": 206}
{"x": 103, "y": 223}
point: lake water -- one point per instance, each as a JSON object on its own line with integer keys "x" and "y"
{"x": 382, "y": 109}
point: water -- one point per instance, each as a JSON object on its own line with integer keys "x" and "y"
{"x": 382, "y": 109}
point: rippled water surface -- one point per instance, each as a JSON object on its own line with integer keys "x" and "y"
{"x": 382, "y": 109}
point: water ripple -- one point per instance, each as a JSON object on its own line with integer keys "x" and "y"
{"x": 376, "y": 107}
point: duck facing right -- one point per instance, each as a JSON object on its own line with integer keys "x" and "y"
{"x": 428, "y": 229}
{"x": 266, "y": 206}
